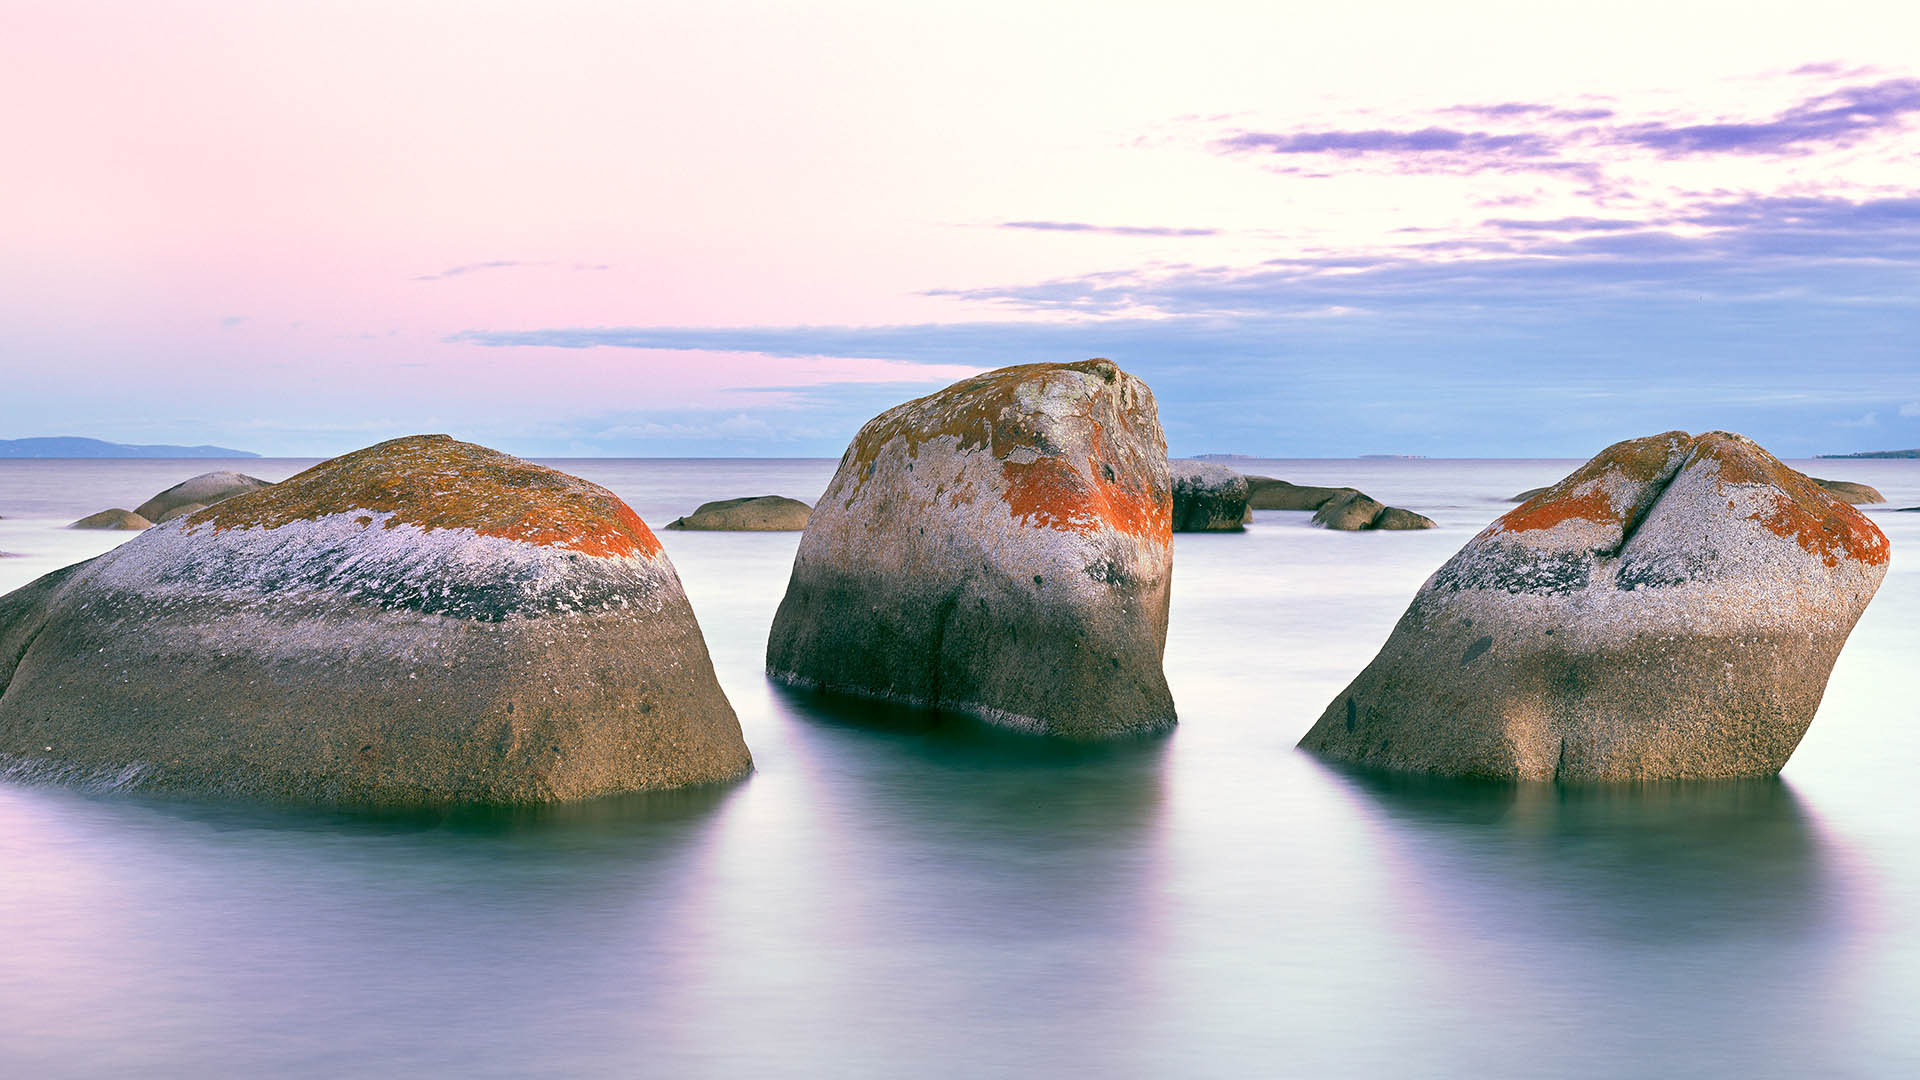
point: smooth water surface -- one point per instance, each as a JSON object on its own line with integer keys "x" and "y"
{"x": 894, "y": 894}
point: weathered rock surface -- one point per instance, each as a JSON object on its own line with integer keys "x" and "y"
{"x": 115, "y": 518}
{"x": 760, "y": 513}
{"x": 1207, "y": 497}
{"x": 205, "y": 489}
{"x": 421, "y": 622}
{"x": 179, "y": 511}
{"x": 1352, "y": 511}
{"x": 1003, "y": 548}
{"x": 1669, "y": 610}
{"x": 1266, "y": 493}
{"x": 1849, "y": 492}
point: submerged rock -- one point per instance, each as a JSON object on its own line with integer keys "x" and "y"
{"x": 205, "y": 489}
{"x": 760, "y": 513}
{"x": 115, "y": 518}
{"x": 1266, "y": 493}
{"x": 1669, "y": 610}
{"x": 1848, "y": 492}
{"x": 1528, "y": 494}
{"x": 421, "y": 622}
{"x": 1003, "y": 548}
{"x": 1207, "y": 497}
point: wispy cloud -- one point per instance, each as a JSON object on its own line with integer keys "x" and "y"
{"x": 1110, "y": 230}
{"x": 1542, "y": 137}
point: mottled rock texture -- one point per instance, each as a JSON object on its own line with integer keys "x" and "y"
{"x": 1670, "y": 610}
{"x": 421, "y": 622}
{"x": 1266, "y": 493}
{"x": 116, "y": 518}
{"x": 1003, "y": 548}
{"x": 1848, "y": 492}
{"x": 761, "y": 513}
{"x": 205, "y": 489}
{"x": 1207, "y": 497}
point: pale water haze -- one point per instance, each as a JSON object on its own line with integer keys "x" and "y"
{"x": 895, "y": 894}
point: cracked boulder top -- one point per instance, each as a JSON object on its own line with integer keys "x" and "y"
{"x": 1696, "y": 505}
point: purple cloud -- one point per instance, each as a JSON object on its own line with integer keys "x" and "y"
{"x": 1835, "y": 119}
{"x": 1424, "y": 141}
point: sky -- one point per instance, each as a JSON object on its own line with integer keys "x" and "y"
{"x": 742, "y": 229}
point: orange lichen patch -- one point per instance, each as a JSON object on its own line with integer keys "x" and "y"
{"x": 1641, "y": 463}
{"x": 1802, "y": 510}
{"x": 1052, "y": 494}
{"x": 434, "y": 482}
{"x": 996, "y": 412}
{"x": 1544, "y": 512}
{"x": 1841, "y": 532}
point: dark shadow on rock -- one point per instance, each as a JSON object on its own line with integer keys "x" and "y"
{"x": 1655, "y": 862}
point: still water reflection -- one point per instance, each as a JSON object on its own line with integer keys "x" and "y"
{"x": 895, "y": 893}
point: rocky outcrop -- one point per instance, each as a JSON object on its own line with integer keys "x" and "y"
{"x": 761, "y": 513}
{"x": 1207, "y": 497}
{"x": 205, "y": 489}
{"x": 1528, "y": 494}
{"x": 1002, "y": 548}
{"x": 1266, "y": 493}
{"x": 421, "y": 622}
{"x": 1353, "y": 511}
{"x": 1848, "y": 492}
{"x": 115, "y": 518}
{"x": 179, "y": 511}
{"x": 1670, "y": 610}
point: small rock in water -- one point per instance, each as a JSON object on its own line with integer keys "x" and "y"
{"x": 1207, "y": 497}
{"x": 760, "y": 513}
{"x": 1846, "y": 491}
{"x": 116, "y": 518}
{"x": 204, "y": 490}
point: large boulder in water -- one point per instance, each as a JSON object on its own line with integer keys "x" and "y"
{"x": 760, "y": 513}
{"x": 205, "y": 489}
{"x": 1003, "y": 548}
{"x": 116, "y": 518}
{"x": 421, "y": 622}
{"x": 1669, "y": 610}
{"x": 1207, "y": 497}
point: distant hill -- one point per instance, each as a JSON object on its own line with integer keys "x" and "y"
{"x": 73, "y": 446}
{"x": 1876, "y": 454}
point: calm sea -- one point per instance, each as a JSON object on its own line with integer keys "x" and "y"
{"x": 893, "y": 895}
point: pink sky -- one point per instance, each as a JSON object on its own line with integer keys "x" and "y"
{"x": 256, "y": 224}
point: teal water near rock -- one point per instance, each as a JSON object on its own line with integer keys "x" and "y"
{"x": 894, "y": 893}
